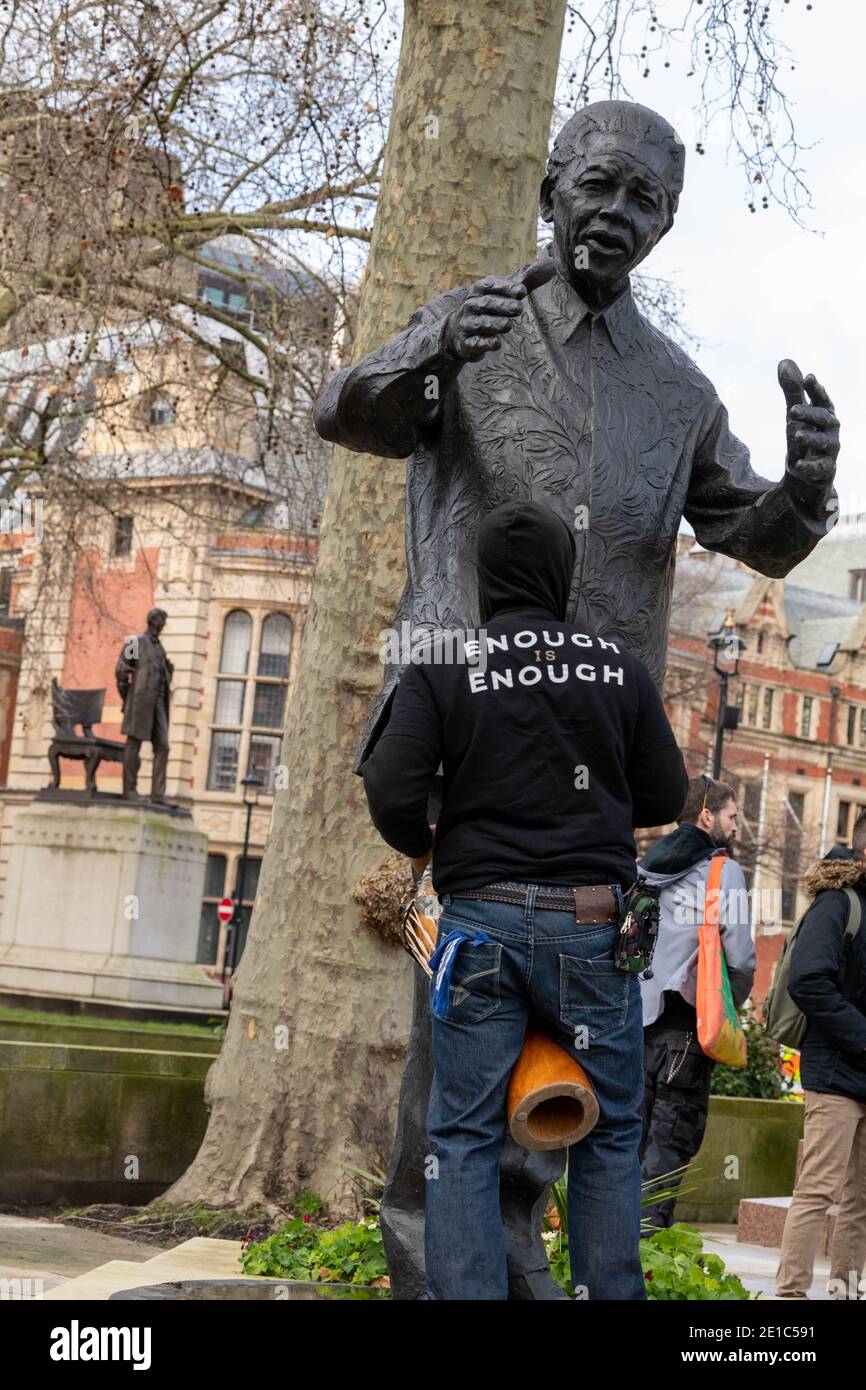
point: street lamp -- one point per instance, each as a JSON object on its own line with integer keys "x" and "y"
{"x": 727, "y": 647}
{"x": 252, "y": 785}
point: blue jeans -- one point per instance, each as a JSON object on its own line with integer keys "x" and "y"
{"x": 544, "y": 964}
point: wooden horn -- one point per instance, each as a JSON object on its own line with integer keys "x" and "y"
{"x": 551, "y": 1103}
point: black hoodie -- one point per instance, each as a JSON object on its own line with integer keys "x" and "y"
{"x": 686, "y": 845}
{"x": 554, "y": 744}
{"x": 524, "y": 560}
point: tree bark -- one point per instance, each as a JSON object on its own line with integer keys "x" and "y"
{"x": 309, "y": 1074}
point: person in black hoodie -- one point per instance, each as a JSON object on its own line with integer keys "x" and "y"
{"x": 827, "y": 982}
{"x": 554, "y": 744}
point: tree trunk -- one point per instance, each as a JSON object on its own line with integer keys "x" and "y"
{"x": 309, "y": 1073}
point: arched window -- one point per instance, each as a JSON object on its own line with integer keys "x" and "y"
{"x": 257, "y": 714}
{"x": 275, "y": 646}
{"x": 235, "y": 650}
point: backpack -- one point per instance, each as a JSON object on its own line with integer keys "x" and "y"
{"x": 783, "y": 1021}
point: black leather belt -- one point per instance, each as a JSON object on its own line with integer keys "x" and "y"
{"x": 594, "y": 902}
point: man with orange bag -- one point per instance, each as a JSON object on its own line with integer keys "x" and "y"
{"x": 677, "y": 1071}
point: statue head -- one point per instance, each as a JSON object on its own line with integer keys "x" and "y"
{"x": 156, "y": 621}
{"x": 613, "y": 182}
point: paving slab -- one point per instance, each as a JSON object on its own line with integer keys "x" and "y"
{"x": 98, "y": 1284}
{"x": 52, "y": 1250}
{"x": 756, "y": 1265}
{"x": 202, "y": 1257}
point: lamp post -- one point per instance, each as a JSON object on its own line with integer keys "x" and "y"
{"x": 252, "y": 785}
{"x": 727, "y": 646}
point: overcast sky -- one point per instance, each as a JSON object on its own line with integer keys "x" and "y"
{"x": 758, "y": 287}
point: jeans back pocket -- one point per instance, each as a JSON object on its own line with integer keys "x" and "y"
{"x": 593, "y": 994}
{"x": 474, "y": 993}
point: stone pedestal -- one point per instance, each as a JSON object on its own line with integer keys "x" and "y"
{"x": 103, "y": 903}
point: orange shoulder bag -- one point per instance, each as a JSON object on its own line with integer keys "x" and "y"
{"x": 719, "y": 1032}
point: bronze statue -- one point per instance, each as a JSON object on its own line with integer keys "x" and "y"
{"x": 548, "y": 383}
{"x": 143, "y": 676}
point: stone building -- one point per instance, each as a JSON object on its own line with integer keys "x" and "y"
{"x": 175, "y": 502}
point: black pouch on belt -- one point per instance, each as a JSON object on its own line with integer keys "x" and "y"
{"x": 638, "y": 929}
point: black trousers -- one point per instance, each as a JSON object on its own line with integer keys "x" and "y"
{"x": 676, "y": 1100}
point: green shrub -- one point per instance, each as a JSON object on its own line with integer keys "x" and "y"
{"x": 350, "y": 1254}
{"x": 675, "y": 1267}
{"x": 673, "y": 1262}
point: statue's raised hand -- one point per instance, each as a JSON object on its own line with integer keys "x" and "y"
{"x": 485, "y": 315}
{"x": 813, "y": 429}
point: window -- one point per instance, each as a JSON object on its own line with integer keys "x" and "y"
{"x": 760, "y": 642}
{"x": 752, "y": 707}
{"x": 122, "y": 543}
{"x": 857, "y": 585}
{"x": 235, "y": 650}
{"x": 264, "y": 755}
{"x": 250, "y": 699}
{"x": 224, "y": 753}
{"x": 251, "y": 884}
{"x": 161, "y": 410}
{"x": 6, "y": 575}
{"x": 843, "y": 816}
{"x": 767, "y": 715}
{"x": 806, "y": 717}
{"x": 856, "y": 731}
{"x": 209, "y": 927}
{"x": 752, "y": 801}
{"x": 231, "y": 301}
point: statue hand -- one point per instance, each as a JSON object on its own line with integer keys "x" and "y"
{"x": 486, "y": 313}
{"x": 813, "y": 429}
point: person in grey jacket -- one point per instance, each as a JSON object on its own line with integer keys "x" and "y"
{"x": 676, "y": 1071}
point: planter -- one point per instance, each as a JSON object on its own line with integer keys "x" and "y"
{"x": 97, "y": 1124}
{"x": 749, "y": 1150}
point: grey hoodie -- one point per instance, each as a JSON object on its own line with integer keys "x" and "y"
{"x": 680, "y": 864}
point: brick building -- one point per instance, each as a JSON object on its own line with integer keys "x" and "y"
{"x": 798, "y": 757}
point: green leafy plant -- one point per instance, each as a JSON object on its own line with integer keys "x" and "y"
{"x": 287, "y": 1254}
{"x": 673, "y": 1259}
{"x": 349, "y": 1254}
{"x": 675, "y": 1267}
{"x": 762, "y": 1077}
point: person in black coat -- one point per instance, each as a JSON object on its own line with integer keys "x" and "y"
{"x": 828, "y": 983}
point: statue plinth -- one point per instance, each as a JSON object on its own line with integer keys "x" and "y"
{"x": 103, "y": 903}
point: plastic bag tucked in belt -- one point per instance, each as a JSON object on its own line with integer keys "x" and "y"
{"x": 442, "y": 965}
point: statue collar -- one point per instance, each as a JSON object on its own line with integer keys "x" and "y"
{"x": 563, "y": 309}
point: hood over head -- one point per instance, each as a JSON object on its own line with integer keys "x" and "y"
{"x": 525, "y": 559}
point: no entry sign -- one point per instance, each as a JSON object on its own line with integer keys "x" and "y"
{"x": 225, "y": 908}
